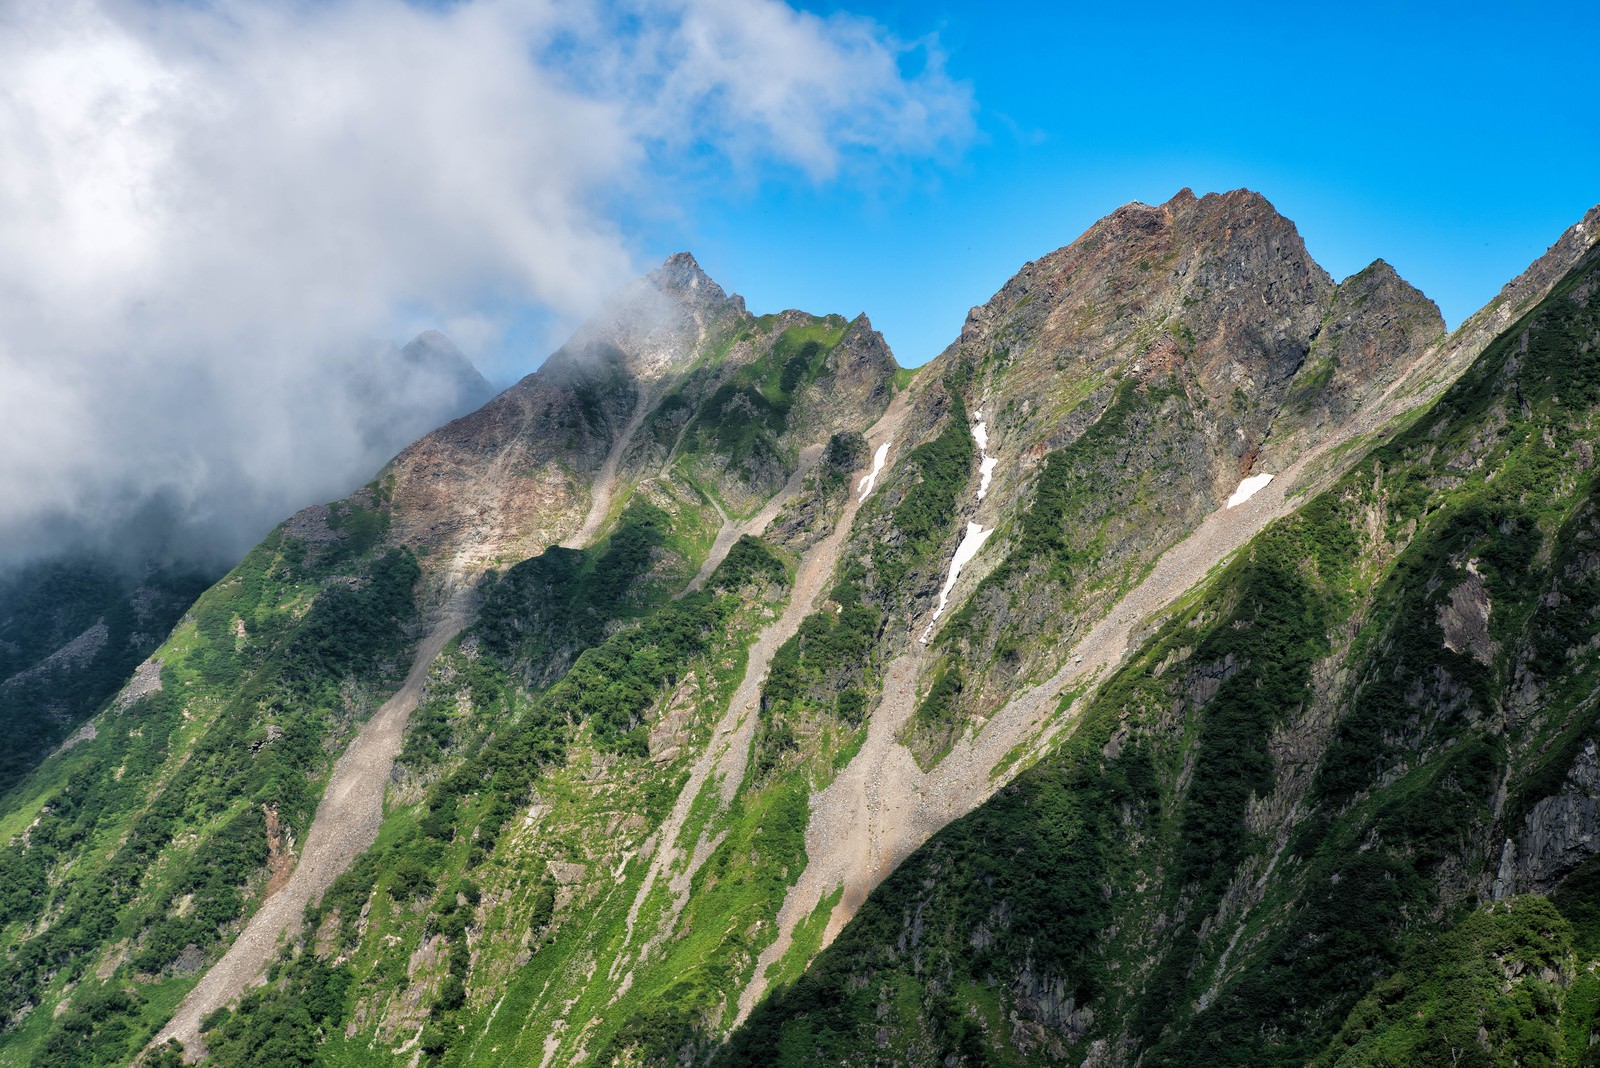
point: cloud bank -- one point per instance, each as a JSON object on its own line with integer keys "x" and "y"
{"x": 208, "y": 209}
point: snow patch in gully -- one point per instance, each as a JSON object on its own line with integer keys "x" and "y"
{"x": 1249, "y": 488}
{"x": 878, "y": 458}
{"x": 970, "y": 544}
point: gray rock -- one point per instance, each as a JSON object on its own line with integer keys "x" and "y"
{"x": 1560, "y": 833}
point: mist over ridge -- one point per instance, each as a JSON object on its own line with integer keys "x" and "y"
{"x": 205, "y": 210}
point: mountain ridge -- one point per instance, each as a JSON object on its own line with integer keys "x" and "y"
{"x": 740, "y": 709}
{"x": 1183, "y": 1000}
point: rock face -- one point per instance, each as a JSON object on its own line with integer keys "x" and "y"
{"x": 1217, "y": 294}
{"x": 1163, "y": 357}
{"x": 1373, "y": 316}
{"x": 514, "y": 476}
{"x": 431, "y": 351}
{"x": 631, "y": 395}
{"x": 1560, "y": 833}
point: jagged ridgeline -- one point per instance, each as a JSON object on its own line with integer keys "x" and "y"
{"x": 699, "y": 632}
{"x": 1340, "y": 808}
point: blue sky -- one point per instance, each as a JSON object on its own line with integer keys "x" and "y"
{"x": 1454, "y": 140}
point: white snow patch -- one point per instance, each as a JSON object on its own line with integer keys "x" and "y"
{"x": 986, "y": 470}
{"x": 986, "y": 463}
{"x": 1249, "y": 488}
{"x": 878, "y": 458}
{"x": 970, "y": 544}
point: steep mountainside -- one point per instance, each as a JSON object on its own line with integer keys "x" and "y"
{"x": 132, "y": 857}
{"x": 696, "y": 634}
{"x": 1351, "y": 779}
{"x": 1127, "y": 384}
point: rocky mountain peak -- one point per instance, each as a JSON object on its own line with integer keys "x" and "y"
{"x": 764, "y": 616}
{"x": 681, "y": 277}
{"x": 682, "y": 274}
{"x": 1216, "y": 294}
{"x": 1379, "y": 266}
{"x": 1375, "y": 328}
{"x": 1380, "y": 278}
{"x": 1241, "y": 227}
{"x": 435, "y": 354}
{"x": 656, "y": 322}
{"x": 1134, "y": 218}
{"x": 432, "y": 340}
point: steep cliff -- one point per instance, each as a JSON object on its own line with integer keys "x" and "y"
{"x": 1128, "y": 384}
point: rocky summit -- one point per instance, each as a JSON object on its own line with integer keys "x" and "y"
{"x": 1193, "y": 664}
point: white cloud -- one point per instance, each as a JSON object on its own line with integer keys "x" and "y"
{"x": 773, "y": 81}
{"x": 205, "y": 206}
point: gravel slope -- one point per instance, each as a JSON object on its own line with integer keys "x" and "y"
{"x": 346, "y": 824}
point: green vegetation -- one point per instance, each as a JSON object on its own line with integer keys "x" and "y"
{"x": 283, "y": 1022}
{"x": 154, "y": 835}
{"x": 1263, "y": 841}
{"x": 1102, "y": 508}
{"x": 937, "y": 722}
{"x": 1310, "y": 385}
{"x": 845, "y": 454}
{"x": 487, "y": 743}
{"x": 1095, "y": 521}
{"x": 540, "y": 614}
{"x": 745, "y": 417}
{"x": 1039, "y": 853}
{"x": 1060, "y": 529}
{"x": 822, "y": 670}
{"x": 128, "y": 861}
{"x": 923, "y": 518}
{"x": 1027, "y": 852}
{"x": 741, "y": 885}
{"x": 1495, "y": 989}
{"x": 611, "y": 685}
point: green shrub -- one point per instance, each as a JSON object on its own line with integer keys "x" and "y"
{"x": 940, "y": 468}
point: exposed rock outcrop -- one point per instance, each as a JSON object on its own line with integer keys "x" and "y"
{"x": 1560, "y": 833}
